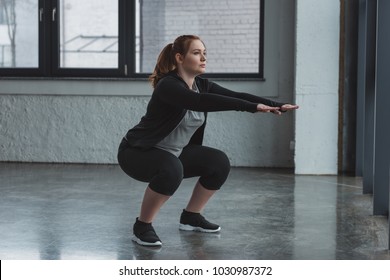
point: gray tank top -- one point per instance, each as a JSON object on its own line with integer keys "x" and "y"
{"x": 181, "y": 135}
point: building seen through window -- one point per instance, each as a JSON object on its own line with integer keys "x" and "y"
{"x": 90, "y": 32}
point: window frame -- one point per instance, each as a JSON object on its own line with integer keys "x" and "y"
{"x": 49, "y": 50}
{"x": 27, "y": 71}
{"x": 123, "y": 8}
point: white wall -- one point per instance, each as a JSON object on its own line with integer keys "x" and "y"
{"x": 84, "y": 120}
{"x": 316, "y": 86}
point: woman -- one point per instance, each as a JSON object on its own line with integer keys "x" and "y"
{"x": 166, "y": 145}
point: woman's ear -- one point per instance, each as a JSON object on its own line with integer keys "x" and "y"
{"x": 179, "y": 58}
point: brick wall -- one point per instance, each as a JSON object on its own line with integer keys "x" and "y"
{"x": 229, "y": 28}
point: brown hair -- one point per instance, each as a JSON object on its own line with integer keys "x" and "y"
{"x": 166, "y": 61}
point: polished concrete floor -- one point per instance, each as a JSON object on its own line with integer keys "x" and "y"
{"x": 53, "y": 211}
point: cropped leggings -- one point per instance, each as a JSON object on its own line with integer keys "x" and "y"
{"x": 164, "y": 171}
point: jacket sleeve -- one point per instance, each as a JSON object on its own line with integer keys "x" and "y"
{"x": 217, "y": 89}
{"x": 177, "y": 94}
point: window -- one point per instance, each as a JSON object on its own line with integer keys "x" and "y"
{"x": 88, "y": 35}
{"x": 2, "y": 13}
{"x": 17, "y": 20}
{"x": 87, "y": 39}
{"x": 122, "y": 38}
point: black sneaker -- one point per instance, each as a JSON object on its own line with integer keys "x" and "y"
{"x": 196, "y": 222}
{"x": 145, "y": 235}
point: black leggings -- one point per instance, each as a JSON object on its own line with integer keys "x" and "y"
{"x": 164, "y": 171}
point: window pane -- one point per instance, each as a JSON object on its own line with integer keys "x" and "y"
{"x": 19, "y": 28}
{"x": 229, "y": 28}
{"x": 89, "y": 33}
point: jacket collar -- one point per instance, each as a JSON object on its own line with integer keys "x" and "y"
{"x": 174, "y": 74}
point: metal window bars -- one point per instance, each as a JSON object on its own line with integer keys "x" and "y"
{"x": 91, "y": 44}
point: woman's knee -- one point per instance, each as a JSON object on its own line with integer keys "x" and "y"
{"x": 220, "y": 169}
{"x": 168, "y": 179}
{"x": 225, "y": 162}
{"x": 222, "y": 164}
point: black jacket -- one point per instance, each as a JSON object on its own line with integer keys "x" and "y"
{"x": 172, "y": 98}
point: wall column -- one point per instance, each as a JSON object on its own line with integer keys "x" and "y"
{"x": 317, "y": 86}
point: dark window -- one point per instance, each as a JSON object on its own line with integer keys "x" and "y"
{"x": 122, "y": 38}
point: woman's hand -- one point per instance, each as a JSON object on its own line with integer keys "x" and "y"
{"x": 276, "y": 110}
{"x": 266, "y": 109}
{"x": 288, "y": 107}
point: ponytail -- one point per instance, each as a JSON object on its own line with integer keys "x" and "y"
{"x": 165, "y": 64}
{"x": 166, "y": 61}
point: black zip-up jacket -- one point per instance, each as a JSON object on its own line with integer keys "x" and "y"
{"x": 172, "y": 98}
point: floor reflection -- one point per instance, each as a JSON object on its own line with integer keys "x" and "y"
{"x": 315, "y": 218}
{"x": 87, "y": 212}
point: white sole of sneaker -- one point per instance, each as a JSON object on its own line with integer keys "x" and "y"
{"x": 143, "y": 243}
{"x": 191, "y": 228}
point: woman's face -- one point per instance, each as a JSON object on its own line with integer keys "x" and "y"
{"x": 194, "y": 61}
